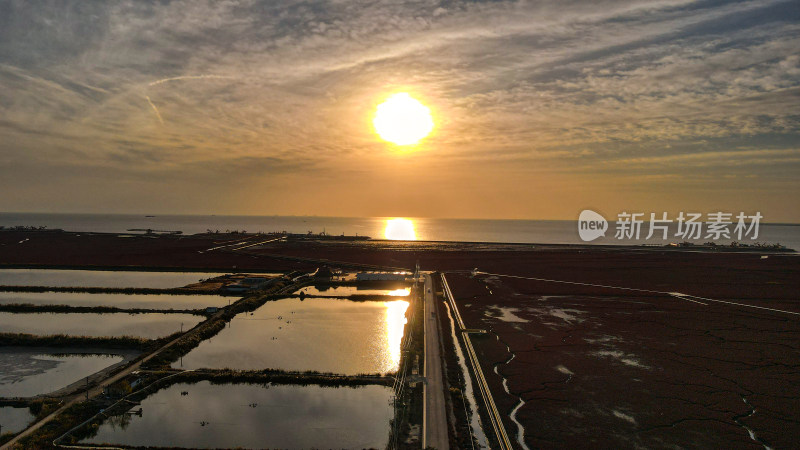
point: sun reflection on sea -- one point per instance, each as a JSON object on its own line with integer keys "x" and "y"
{"x": 400, "y": 229}
{"x": 400, "y": 292}
{"x": 395, "y": 323}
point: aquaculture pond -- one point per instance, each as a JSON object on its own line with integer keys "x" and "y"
{"x": 322, "y": 334}
{"x": 100, "y": 278}
{"x": 14, "y": 419}
{"x": 147, "y": 325}
{"x": 146, "y": 301}
{"x": 204, "y": 415}
{"x": 28, "y": 372}
{"x": 342, "y": 291}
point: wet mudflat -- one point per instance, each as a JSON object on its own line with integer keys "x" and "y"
{"x": 28, "y": 372}
{"x": 14, "y": 419}
{"x": 147, "y": 325}
{"x": 321, "y": 334}
{"x": 100, "y": 278}
{"x": 254, "y": 416}
{"x": 633, "y": 370}
{"x": 145, "y": 301}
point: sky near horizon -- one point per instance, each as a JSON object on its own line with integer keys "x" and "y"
{"x": 541, "y": 109}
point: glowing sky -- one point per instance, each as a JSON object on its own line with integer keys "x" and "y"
{"x": 542, "y": 109}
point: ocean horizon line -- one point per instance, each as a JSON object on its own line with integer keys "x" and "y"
{"x": 317, "y": 216}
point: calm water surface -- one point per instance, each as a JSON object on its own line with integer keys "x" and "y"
{"x": 473, "y": 230}
{"x": 322, "y": 334}
{"x": 147, "y": 301}
{"x": 100, "y": 278}
{"x": 282, "y": 416}
{"x": 26, "y": 372}
{"x": 14, "y": 419}
{"x": 147, "y": 325}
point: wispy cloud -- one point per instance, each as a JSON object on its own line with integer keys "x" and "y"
{"x": 158, "y": 114}
{"x": 571, "y": 87}
{"x": 188, "y": 77}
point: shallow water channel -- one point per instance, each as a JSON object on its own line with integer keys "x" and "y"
{"x": 125, "y": 301}
{"x": 100, "y": 278}
{"x": 146, "y": 325}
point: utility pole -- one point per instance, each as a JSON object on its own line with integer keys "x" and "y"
{"x": 87, "y": 388}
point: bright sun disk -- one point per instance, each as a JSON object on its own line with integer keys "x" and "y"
{"x": 402, "y": 120}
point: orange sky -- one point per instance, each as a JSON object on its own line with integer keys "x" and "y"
{"x": 540, "y": 110}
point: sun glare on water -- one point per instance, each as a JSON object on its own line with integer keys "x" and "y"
{"x": 400, "y": 230}
{"x": 395, "y": 322}
{"x": 402, "y": 120}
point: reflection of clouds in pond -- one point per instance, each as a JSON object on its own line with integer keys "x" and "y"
{"x": 284, "y": 416}
{"x": 14, "y": 368}
{"x": 26, "y": 373}
{"x": 14, "y": 419}
{"x": 322, "y": 334}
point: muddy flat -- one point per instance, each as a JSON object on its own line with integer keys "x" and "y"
{"x": 634, "y": 370}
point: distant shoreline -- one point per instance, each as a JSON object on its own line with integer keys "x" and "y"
{"x": 517, "y": 231}
{"x": 676, "y": 246}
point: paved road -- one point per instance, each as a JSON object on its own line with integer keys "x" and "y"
{"x": 435, "y": 414}
{"x": 486, "y": 394}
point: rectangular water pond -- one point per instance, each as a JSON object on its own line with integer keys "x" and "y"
{"x": 100, "y": 278}
{"x": 322, "y": 334}
{"x": 146, "y": 325}
{"x": 14, "y": 419}
{"x": 254, "y": 416}
{"x": 26, "y": 372}
{"x": 146, "y": 301}
{"x": 343, "y": 291}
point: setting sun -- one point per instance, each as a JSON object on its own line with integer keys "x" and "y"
{"x": 402, "y": 120}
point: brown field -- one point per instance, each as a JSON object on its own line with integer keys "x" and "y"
{"x": 626, "y": 369}
{"x": 110, "y": 250}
